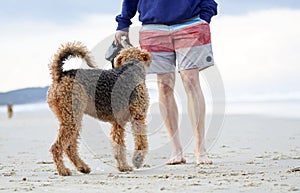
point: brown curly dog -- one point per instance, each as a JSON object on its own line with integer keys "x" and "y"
{"x": 116, "y": 96}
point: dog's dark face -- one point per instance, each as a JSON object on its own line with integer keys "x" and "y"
{"x": 133, "y": 53}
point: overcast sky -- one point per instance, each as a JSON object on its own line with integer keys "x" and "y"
{"x": 256, "y": 43}
{"x": 72, "y": 10}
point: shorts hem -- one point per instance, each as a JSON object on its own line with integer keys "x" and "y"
{"x": 196, "y": 67}
{"x": 160, "y": 72}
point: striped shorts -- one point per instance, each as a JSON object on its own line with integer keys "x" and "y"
{"x": 186, "y": 45}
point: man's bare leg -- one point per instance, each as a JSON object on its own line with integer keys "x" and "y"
{"x": 169, "y": 112}
{"x": 196, "y": 110}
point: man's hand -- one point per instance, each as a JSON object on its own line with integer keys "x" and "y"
{"x": 119, "y": 34}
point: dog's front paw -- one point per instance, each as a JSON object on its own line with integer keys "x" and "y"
{"x": 138, "y": 158}
{"x": 85, "y": 169}
{"x": 125, "y": 168}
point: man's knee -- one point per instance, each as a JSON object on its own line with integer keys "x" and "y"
{"x": 166, "y": 83}
{"x": 190, "y": 79}
{"x": 165, "y": 89}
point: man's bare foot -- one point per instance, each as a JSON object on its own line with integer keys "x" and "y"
{"x": 177, "y": 159}
{"x": 203, "y": 159}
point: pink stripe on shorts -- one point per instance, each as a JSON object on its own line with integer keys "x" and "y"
{"x": 188, "y": 43}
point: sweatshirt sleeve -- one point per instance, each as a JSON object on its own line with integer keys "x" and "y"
{"x": 129, "y": 9}
{"x": 208, "y": 9}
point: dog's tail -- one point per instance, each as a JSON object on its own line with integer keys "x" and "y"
{"x": 67, "y": 51}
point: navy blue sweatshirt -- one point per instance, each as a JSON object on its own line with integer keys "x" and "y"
{"x": 165, "y": 11}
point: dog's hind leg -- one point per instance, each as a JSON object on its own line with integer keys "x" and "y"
{"x": 57, "y": 150}
{"x": 79, "y": 103}
{"x": 119, "y": 149}
{"x": 72, "y": 153}
{"x": 58, "y": 105}
{"x": 69, "y": 110}
{"x": 67, "y": 142}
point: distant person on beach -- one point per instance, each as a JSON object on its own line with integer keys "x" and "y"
{"x": 10, "y": 110}
{"x": 175, "y": 33}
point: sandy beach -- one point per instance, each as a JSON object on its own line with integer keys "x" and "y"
{"x": 252, "y": 153}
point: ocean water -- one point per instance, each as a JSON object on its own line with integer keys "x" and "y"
{"x": 284, "y": 106}
{"x": 279, "y": 109}
{"x": 27, "y": 107}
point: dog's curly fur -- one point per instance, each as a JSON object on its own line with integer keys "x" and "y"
{"x": 116, "y": 96}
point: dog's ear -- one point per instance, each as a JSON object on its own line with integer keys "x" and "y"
{"x": 118, "y": 61}
{"x": 146, "y": 57}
